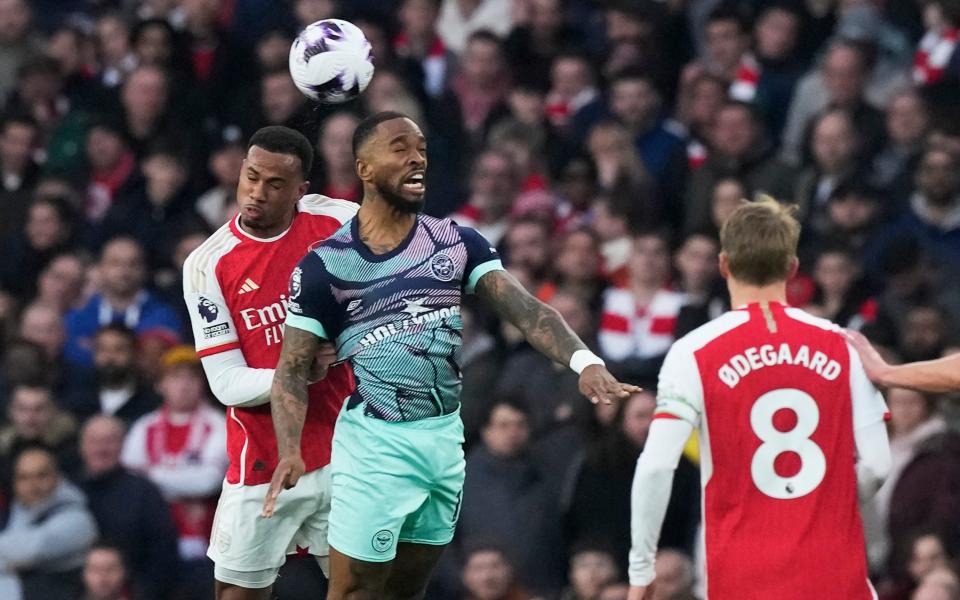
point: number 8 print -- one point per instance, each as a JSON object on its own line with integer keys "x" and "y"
{"x": 813, "y": 463}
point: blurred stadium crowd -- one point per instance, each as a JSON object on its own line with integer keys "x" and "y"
{"x": 599, "y": 143}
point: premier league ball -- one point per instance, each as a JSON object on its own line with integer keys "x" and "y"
{"x": 331, "y": 61}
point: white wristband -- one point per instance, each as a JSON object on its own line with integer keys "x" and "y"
{"x": 582, "y": 359}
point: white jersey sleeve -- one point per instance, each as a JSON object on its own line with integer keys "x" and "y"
{"x": 869, "y": 430}
{"x": 213, "y": 327}
{"x": 215, "y": 334}
{"x": 679, "y": 389}
{"x": 678, "y": 412}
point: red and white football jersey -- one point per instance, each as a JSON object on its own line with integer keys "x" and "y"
{"x": 235, "y": 286}
{"x": 776, "y": 396}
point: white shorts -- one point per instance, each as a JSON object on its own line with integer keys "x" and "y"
{"x": 242, "y": 541}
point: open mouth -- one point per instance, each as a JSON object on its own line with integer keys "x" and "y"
{"x": 414, "y": 183}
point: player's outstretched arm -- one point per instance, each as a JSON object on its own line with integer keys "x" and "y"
{"x": 941, "y": 375}
{"x": 546, "y": 331}
{"x": 288, "y": 406}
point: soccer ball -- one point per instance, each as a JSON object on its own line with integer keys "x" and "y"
{"x": 331, "y": 61}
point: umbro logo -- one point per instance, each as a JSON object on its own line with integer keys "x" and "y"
{"x": 248, "y": 286}
{"x": 354, "y": 305}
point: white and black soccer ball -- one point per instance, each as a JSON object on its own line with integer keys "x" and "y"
{"x": 331, "y": 61}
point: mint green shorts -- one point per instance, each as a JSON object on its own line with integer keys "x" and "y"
{"x": 394, "y": 482}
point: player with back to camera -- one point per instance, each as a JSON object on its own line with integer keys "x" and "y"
{"x": 235, "y": 286}
{"x": 782, "y": 407}
{"x": 386, "y": 288}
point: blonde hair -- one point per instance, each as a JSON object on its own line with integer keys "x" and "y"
{"x": 760, "y": 241}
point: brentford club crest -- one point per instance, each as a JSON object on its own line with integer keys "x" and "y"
{"x": 442, "y": 267}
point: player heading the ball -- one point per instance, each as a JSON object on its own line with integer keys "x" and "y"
{"x": 386, "y": 289}
{"x": 781, "y": 406}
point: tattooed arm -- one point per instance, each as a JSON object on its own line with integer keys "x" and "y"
{"x": 546, "y": 331}
{"x": 541, "y": 324}
{"x": 288, "y": 406}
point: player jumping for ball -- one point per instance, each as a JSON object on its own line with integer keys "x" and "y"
{"x": 788, "y": 426}
{"x": 386, "y": 288}
{"x": 235, "y": 285}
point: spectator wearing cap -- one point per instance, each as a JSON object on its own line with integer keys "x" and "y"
{"x": 119, "y": 388}
{"x": 122, "y": 298}
{"x": 219, "y": 204}
{"x": 738, "y": 148}
{"x": 49, "y": 530}
{"x": 129, "y": 509}
{"x": 181, "y": 447}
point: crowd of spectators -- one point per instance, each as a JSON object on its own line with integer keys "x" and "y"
{"x": 600, "y": 144}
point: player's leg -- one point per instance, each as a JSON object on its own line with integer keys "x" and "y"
{"x": 411, "y": 570}
{"x": 229, "y": 591}
{"x": 353, "y": 579}
{"x": 248, "y": 550}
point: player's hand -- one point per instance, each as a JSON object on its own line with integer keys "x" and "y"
{"x": 597, "y": 384}
{"x": 873, "y": 363}
{"x": 326, "y": 356}
{"x": 285, "y": 477}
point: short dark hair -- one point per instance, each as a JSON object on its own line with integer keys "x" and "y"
{"x": 17, "y": 118}
{"x": 283, "y": 140}
{"x": 119, "y": 329}
{"x": 366, "y": 127}
{"x": 729, "y": 12}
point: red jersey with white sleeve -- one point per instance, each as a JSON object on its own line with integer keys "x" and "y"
{"x": 235, "y": 287}
{"x": 784, "y": 413}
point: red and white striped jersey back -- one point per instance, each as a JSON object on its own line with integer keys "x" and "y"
{"x": 776, "y": 395}
{"x": 236, "y": 287}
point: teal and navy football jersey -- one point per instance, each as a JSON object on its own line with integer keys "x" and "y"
{"x": 394, "y": 316}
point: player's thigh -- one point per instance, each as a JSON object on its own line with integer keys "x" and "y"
{"x": 313, "y": 532}
{"x": 375, "y": 485}
{"x": 412, "y": 569}
{"x": 246, "y": 548}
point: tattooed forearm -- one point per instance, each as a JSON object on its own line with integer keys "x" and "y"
{"x": 542, "y": 325}
{"x": 288, "y": 395}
